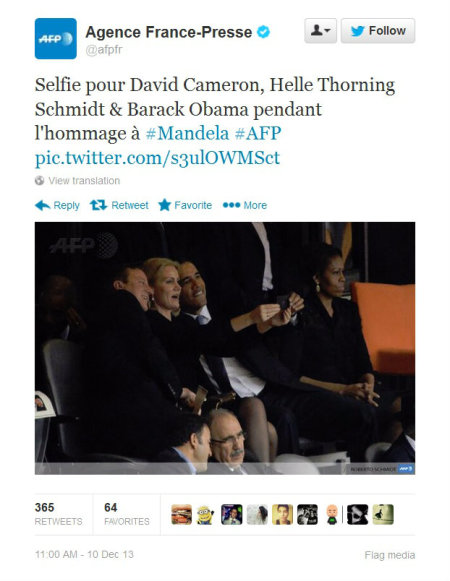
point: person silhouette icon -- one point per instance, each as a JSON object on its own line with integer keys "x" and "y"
{"x": 316, "y": 31}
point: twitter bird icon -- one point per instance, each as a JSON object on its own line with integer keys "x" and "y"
{"x": 358, "y": 30}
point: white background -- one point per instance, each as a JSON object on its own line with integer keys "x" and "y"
{"x": 370, "y": 157}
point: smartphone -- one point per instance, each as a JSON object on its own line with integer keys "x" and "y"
{"x": 283, "y": 301}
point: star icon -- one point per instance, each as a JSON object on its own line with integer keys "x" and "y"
{"x": 164, "y": 205}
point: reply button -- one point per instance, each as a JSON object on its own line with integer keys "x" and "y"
{"x": 380, "y": 30}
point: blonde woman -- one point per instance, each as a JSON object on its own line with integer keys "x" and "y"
{"x": 186, "y": 343}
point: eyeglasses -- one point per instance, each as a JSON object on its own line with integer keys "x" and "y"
{"x": 231, "y": 439}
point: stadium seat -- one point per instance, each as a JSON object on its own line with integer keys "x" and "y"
{"x": 63, "y": 366}
{"x": 388, "y": 322}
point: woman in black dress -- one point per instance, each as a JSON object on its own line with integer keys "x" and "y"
{"x": 334, "y": 354}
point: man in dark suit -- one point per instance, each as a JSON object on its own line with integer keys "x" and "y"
{"x": 227, "y": 445}
{"x": 189, "y": 446}
{"x": 318, "y": 414}
{"x": 133, "y": 388}
{"x": 243, "y": 379}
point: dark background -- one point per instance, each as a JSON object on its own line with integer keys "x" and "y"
{"x": 88, "y": 252}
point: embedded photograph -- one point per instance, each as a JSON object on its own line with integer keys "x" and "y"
{"x": 225, "y": 348}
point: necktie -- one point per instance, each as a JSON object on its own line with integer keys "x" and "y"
{"x": 216, "y": 364}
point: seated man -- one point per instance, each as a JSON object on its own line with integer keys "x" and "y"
{"x": 319, "y": 414}
{"x": 189, "y": 441}
{"x": 227, "y": 445}
{"x": 133, "y": 388}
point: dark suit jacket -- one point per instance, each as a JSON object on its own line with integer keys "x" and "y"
{"x": 127, "y": 351}
{"x": 184, "y": 341}
{"x": 400, "y": 451}
{"x": 232, "y": 261}
{"x": 252, "y": 351}
{"x": 217, "y": 338}
{"x": 171, "y": 463}
{"x": 133, "y": 387}
{"x": 256, "y": 356}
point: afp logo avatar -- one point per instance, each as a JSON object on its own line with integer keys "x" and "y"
{"x": 55, "y": 38}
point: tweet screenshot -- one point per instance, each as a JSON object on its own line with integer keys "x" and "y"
{"x": 221, "y": 212}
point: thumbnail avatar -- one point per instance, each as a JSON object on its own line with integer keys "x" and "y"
{"x": 282, "y": 514}
{"x": 332, "y": 511}
{"x": 231, "y": 514}
{"x": 307, "y": 514}
{"x": 181, "y": 514}
{"x": 357, "y": 514}
{"x": 257, "y": 514}
{"x": 204, "y": 516}
{"x": 383, "y": 514}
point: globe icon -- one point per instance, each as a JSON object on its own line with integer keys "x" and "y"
{"x": 67, "y": 39}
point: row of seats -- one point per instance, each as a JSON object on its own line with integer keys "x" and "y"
{"x": 387, "y": 313}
